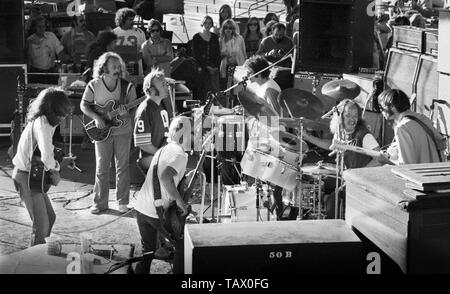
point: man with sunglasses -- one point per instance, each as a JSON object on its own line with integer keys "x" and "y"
{"x": 157, "y": 51}
{"x": 416, "y": 140}
{"x": 77, "y": 40}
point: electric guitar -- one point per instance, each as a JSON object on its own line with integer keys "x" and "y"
{"x": 341, "y": 146}
{"x": 109, "y": 113}
{"x": 40, "y": 180}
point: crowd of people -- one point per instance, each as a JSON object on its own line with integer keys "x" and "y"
{"x": 153, "y": 129}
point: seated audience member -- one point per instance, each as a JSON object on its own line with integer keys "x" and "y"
{"x": 157, "y": 51}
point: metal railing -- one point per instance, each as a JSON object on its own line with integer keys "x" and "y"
{"x": 258, "y": 4}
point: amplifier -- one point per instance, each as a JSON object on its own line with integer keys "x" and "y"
{"x": 431, "y": 42}
{"x": 408, "y": 38}
{"x": 291, "y": 247}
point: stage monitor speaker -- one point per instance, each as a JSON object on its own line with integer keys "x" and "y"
{"x": 11, "y": 32}
{"x": 288, "y": 247}
{"x": 335, "y": 36}
{"x": 401, "y": 70}
{"x": 426, "y": 84}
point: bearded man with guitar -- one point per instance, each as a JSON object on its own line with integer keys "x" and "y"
{"x": 44, "y": 114}
{"x": 99, "y": 101}
{"x": 152, "y": 119}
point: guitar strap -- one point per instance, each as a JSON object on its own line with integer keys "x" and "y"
{"x": 429, "y": 133}
{"x": 123, "y": 91}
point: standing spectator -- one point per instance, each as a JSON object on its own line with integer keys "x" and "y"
{"x": 295, "y": 14}
{"x": 106, "y": 41}
{"x": 232, "y": 49}
{"x": 42, "y": 50}
{"x": 252, "y": 36}
{"x": 274, "y": 47}
{"x": 157, "y": 51}
{"x": 77, "y": 39}
{"x": 129, "y": 39}
{"x": 224, "y": 14}
{"x": 269, "y": 17}
{"x": 289, "y": 4}
{"x": 206, "y": 50}
{"x": 268, "y": 29}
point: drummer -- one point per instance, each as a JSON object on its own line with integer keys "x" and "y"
{"x": 347, "y": 125}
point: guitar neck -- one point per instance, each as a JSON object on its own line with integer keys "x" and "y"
{"x": 346, "y": 147}
{"x": 128, "y": 106}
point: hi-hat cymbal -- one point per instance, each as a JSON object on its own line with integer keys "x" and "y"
{"x": 301, "y": 103}
{"x": 307, "y": 123}
{"x": 254, "y": 105}
{"x": 341, "y": 89}
{"x": 324, "y": 169}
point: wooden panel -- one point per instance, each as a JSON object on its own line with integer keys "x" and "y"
{"x": 428, "y": 175}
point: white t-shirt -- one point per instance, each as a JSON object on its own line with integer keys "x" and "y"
{"x": 368, "y": 142}
{"x": 42, "y": 51}
{"x": 270, "y": 91}
{"x": 172, "y": 155}
{"x": 42, "y": 134}
{"x": 134, "y": 37}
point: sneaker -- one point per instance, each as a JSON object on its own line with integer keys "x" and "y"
{"x": 96, "y": 210}
{"x": 123, "y": 208}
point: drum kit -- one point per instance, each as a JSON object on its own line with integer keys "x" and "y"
{"x": 274, "y": 155}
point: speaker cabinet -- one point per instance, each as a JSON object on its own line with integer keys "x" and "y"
{"x": 11, "y": 32}
{"x": 335, "y": 36}
{"x": 444, "y": 41}
{"x": 9, "y": 75}
{"x": 290, "y": 247}
{"x": 401, "y": 70}
{"x": 426, "y": 84}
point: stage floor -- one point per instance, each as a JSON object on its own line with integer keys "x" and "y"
{"x": 15, "y": 222}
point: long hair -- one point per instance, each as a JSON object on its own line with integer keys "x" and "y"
{"x": 228, "y": 22}
{"x": 395, "y": 97}
{"x": 337, "y": 121}
{"x": 258, "y": 28}
{"x": 52, "y": 103}
{"x": 102, "y": 61}
{"x": 270, "y": 16}
{"x": 122, "y": 14}
{"x": 222, "y": 9}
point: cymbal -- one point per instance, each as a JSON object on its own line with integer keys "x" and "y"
{"x": 320, "y": 168}
{"x": 341, "y": 89}
{"x": 301, "y": 103}
{"x": 289, "y": 141}
{"x": 307, "y": 123}
{"x": 254, "y": 105}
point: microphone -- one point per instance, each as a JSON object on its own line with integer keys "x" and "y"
{"x": 329, "y": 113}
{"x": 294, "y": 60}
{"x": 191, "y": 103}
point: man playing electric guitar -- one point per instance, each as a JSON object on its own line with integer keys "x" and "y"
{"x": 107, "y": 85}
{"x": 152, "y": 120}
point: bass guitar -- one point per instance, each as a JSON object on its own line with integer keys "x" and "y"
{"x": 40, "y": 180}
{"x": 109, "y": 113}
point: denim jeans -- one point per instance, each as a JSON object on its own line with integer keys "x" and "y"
{"x": 39, "y": 208}
{"x": 119, "y": 145}
{"x": 149, "y": 228}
